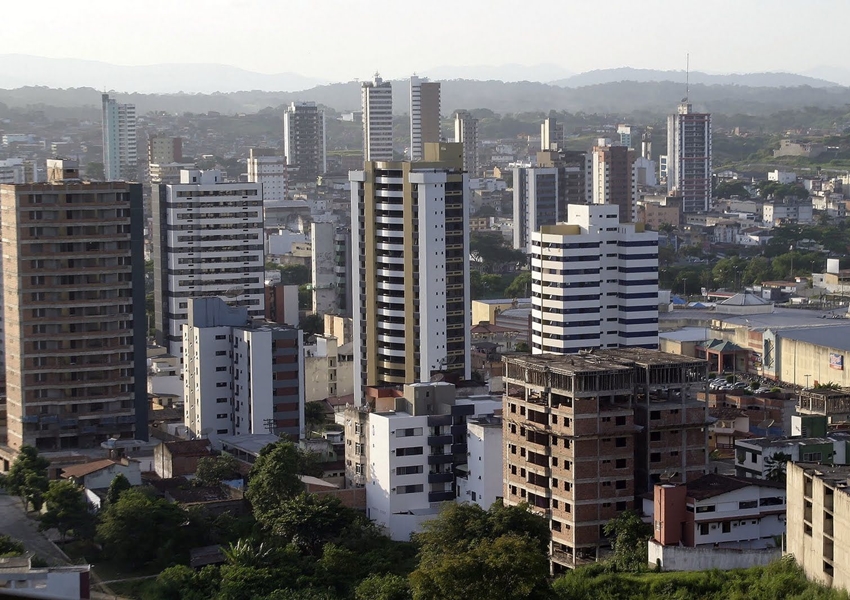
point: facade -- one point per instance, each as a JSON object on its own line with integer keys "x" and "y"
{"x": 481, "y": 481}
{"x": 327, "y": 371}
{"x": 818, "y": 513}
{"x": 689, "y": 158}
{"x": 536, "y": 203}
{"x": 376, "y": 99}
{"x": 424, "y": 115}
{"x": 120, "y": 159}
{"x": 342, "y": 269}
{"x": 304, "y": 142}
{"x": 412, "y": 314}
{"x": 73, "y": 311}
{"x": 417, "y": 444}
{"x": 594, "y": 283}
{"x": 584, "y": 434}
{"x": 615, "y": 179}
{"x": 323, "y": 264}
{"x": 281, "y": 303}
{"x": 268, "y": 169}
{"x": 466, "y": 133}
{"x": 208, "y": 241}
{"x": 240, "y": 378}
{"x": 19, "y": 579}
{"x": 788, "y": 211}
{"x": 764, "y": 458}
{"x": 575, "y": 174}
{"x": 165, "y": 150}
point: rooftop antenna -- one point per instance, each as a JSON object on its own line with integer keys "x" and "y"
{"x": 687, "y": 76}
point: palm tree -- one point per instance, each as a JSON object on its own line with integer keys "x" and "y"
{"x": 244, "y": 554}
{"x": 775, "y": 466}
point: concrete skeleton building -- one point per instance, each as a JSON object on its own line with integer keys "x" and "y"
{"x": 594, "y": 283}
{"x": 268, "y": 168}
{"x": 304, "y": 140}
{"x": 412, "y": 316}
{"x": 240, "y": 376}
{"x": 120, "y": 154}
{"x": 73, "y": 310}
{"x": 376, "y": 98}
{"x": 584, "y": 434}
{"x": 688, "y": 164}
{"x": 208, "y": 241}
{"x": 466, "y": 133}
{"x": 424, "y": 115}
{"x": 615, "y": 179}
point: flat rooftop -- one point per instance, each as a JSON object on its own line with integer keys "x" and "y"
{"x": 836, "y": 475}
{"x": 251, "y": 443}
{"x": 780, "y": 318}
{"x": 569, "y": 363}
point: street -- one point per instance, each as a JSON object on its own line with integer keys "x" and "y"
{"x": 15, "y": 523}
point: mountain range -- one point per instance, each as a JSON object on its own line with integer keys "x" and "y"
{"x": 19, "y": 70}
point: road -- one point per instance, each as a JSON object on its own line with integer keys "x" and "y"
{"x": 15, "y": 523}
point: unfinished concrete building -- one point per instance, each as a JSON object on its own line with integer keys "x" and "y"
{"x": 585, "y": 433}
{"x": 832, "y": 404}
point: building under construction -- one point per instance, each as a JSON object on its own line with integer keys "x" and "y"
{"x": 585, "y": 433}
{"x": 832, "y": 404}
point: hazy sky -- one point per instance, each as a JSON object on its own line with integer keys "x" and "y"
{"x": 346, "y": 39}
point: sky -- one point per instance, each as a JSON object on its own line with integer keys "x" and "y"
{"x": 340, "y": 40}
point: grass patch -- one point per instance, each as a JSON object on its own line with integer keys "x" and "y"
{"x": 139, "y": 588}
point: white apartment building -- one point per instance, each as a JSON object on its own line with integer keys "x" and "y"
{"x": 478, "y": 482}
{"x": 328, "y": 369}
{"x": 789, "y": 211}
{"x": 12, "y": 170}
{"x": 208, "y": 241}
{"x": 240, "y": 378}
{"x": 535, "y": 202}
{"x": 304, "y": 140}
{"x": 376, "y": 98}
{"x": 551, "y": 134}
{"x": 424, "y": 115}
{"x": 414, "y": 448}
{"x": 466, "y": 133}
{"x": 120, "y": 154}
{"x": 783, "y": 177}
{"x": 594, "y": 283}
{"x": 689, "y": 158}
{"x": 268, "y": 169}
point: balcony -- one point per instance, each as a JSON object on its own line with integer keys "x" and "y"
{"x": 440, "y": 440}
{"x": 440, "y": 459}
{"x": 441, "y": 496}
{"x": 446, "y": 477}
{"x": 439, "y": 420}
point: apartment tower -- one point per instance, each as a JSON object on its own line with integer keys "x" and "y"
{"x": 304, "y": 140}
{"x": 411, "y": 317}
{"x": 376, "y": 98}
{"x": 689, "y": 158}
{"x": 268, "y": 168}
{"x": 466, "y": 133}
{"x": 594, "y": 283}
{"x": 615, "y": 179}
{"x": 551, "y": 134}
{"x": 424, "y": 115}
{"x": 74, "y": 306}
{"x": 120, "y": 160}
{"x": 208, "y": 241}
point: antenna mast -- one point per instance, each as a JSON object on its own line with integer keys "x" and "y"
{"x": 687, "y": 76}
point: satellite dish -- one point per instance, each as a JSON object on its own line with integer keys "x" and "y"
{"x": 206, "y": 431}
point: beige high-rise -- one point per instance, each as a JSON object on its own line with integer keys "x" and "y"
{"x": 73, "y": 292}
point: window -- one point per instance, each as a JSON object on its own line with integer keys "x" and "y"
{"x": 221, "y": 384}
{"x": 409, "y": 489}
{"x": 812, "y": 457}
{"x": 655, "y": 457}
{"x": 410, "y": 432}
{"x": 221, "y": 416}
{"x": 621, "y": 442}
{"x": 622, "y": 505}
{"x": 413, "y": 470}
{"x": 654, "y": 436}
{"x": 620, "y": 421}
{"x": 621, "y": 484}
{"x": 621, "y": 463}
{"x": 222, "y": 431}
{"x": 705, "y": 509}
{"x": 655, "y": 415}
{"x": 748, "y": 504}
{"x": 410, "y": 451}
{"x": 703, "y": 528}
{"x": 727, "y": 527}
{"x": 221, "y": 337}
{"x": 221, "y": 352}
{"x": 220, "y": 369}
{"x": 221, "y": 400}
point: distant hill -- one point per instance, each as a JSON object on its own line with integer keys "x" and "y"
{"x": 646, "y": 75}
{"x": 510, "y": 72}
{"x": 650, "y": 98}
{"x": 17, "y": 70}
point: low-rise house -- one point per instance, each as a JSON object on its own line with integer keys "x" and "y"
{"x": 767, "y": 458}
{"x": 729, "y": 425}
{"x": 19, "y": 579}
{"x": 174, "y": 459}
{"x": 716, "y": 521}
{"x": 99, "y": 474}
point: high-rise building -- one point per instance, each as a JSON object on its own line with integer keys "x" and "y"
{"x": 551, "y": 134}
{"x": 542, "y": 193}
{"x": 466, "y": 133}
{"x": 424, "y": 115}
{"x": 689, "y": 158}
{"x": 120, "y": 160}
{"x": 323, "y": 254}
{"x": 241, "y": 376}
{"x": 376, "y": 98}
{"x": 208, "y": 241}
{"x": 615, "y": 179}
{"x": 594, "y": 283}
{"x": 411, "y": 317}
{"x": 584, "y": 434}
{"x": 304, "y": 140}
{"x": 74, "y": 311}
{"x": 268, "y": 168}
{"x": 165, "y": 150}
{"x": 342, "y": 268}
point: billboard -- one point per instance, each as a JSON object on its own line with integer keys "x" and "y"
{"x": 836, "y": 361}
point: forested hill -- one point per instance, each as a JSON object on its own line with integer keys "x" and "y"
{"x": 625, "y": 97}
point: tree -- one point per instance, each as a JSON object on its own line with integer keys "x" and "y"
{"x": 119, "y": 485}
{"x": 522, "y": 347}
{"x": 314, "y": 415}
{"x": 137, "y": 529}
{"x": 520, "y": 287}
{"x": 383, "y": 587}
{"x": 312, "y": 325}
{"x": 27, "y": 477}
{"x": 67, "y": 510}
{"x": 9, "y": 546}
{"x": 629, "y": 536}
{"x": 274, "y": 478}
{"x": 493, "y": 251}
{"x": 775, "y": 466}
{"x": 758, "y": 270}
{"x": 95, "y": 171}
{"x": 245, "y": 554}
{"x": 310, "y": 521}
{"x": 212, "y": 470}
{"x": 295, "y": 274}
